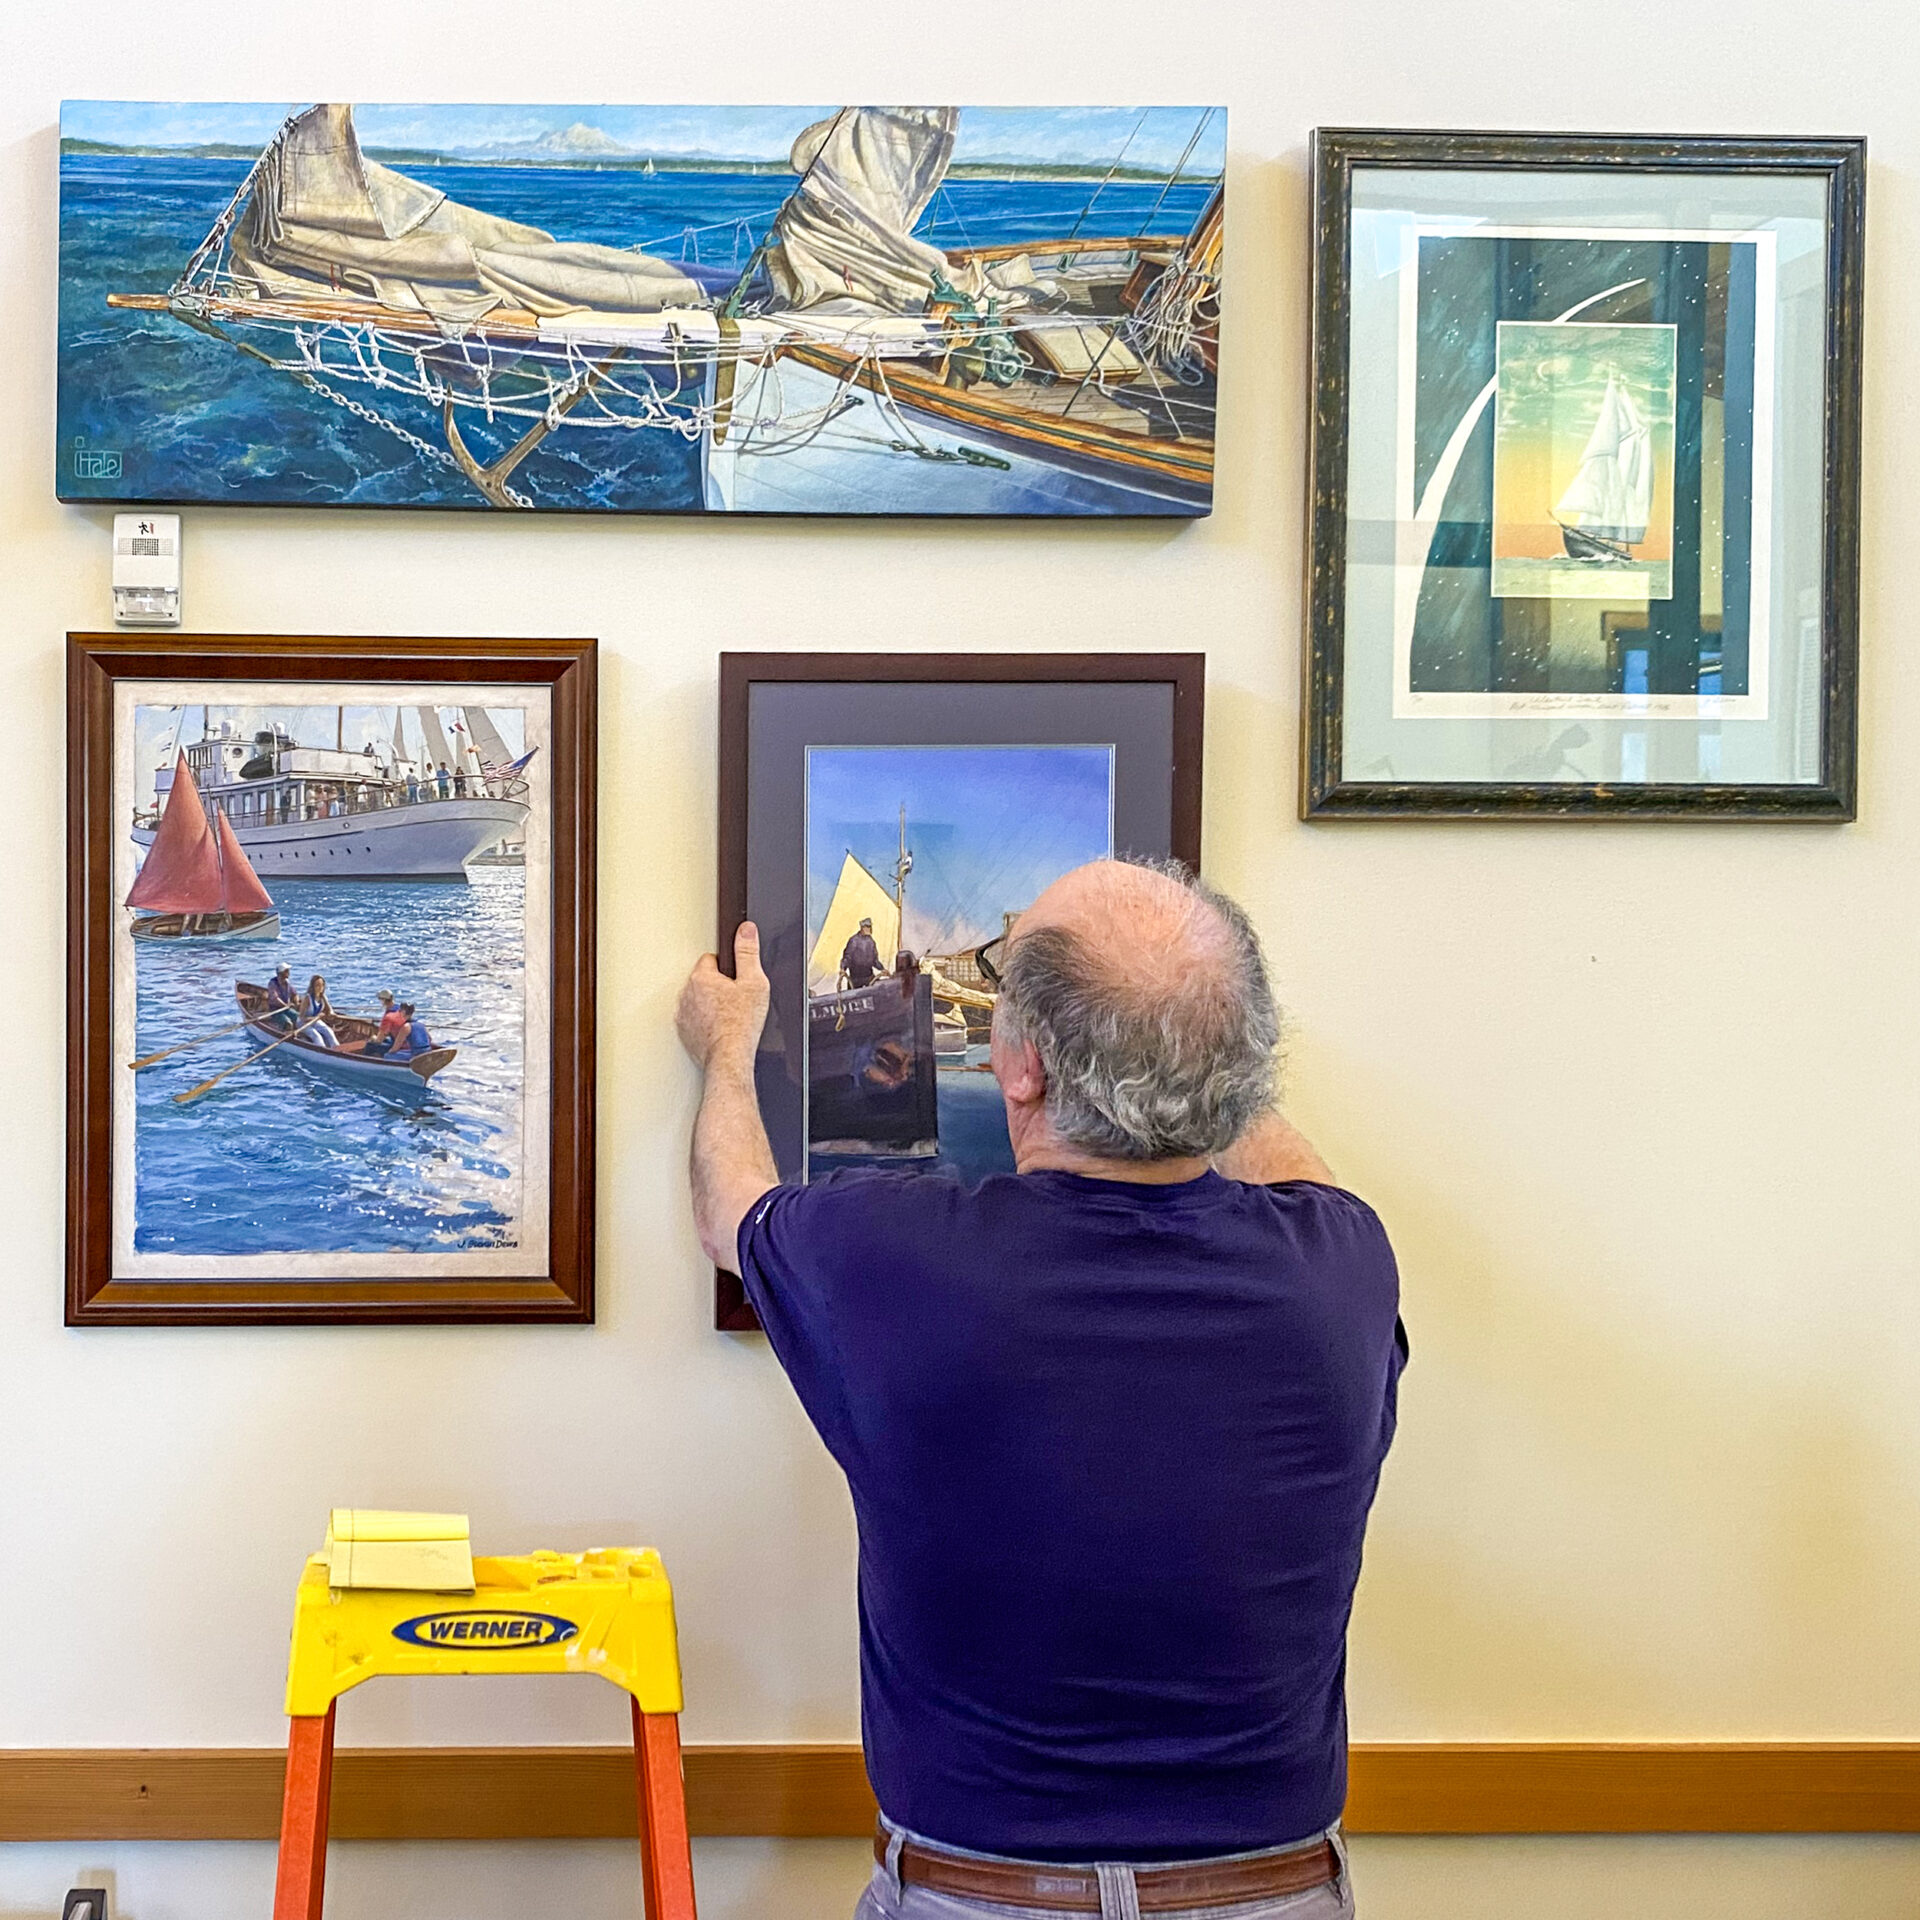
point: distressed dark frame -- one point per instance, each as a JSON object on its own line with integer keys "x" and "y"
{"x": 563, "y": 1291}
{"x": 1325, "y": 794}
{"x": 1186, "y": 673}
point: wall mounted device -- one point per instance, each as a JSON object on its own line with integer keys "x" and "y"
{"x": 146, "y": 569}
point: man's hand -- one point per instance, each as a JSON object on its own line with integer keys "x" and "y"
{"x": 719, "y": 1020}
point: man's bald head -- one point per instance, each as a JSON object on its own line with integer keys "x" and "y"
{"x": 1144, "y": 993}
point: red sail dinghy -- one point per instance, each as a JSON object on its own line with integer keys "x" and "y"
{"x": 196, "y": 882}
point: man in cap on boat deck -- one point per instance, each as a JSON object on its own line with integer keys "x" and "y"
{"x": 860, "y": 957}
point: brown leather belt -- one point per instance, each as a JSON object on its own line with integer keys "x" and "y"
{"x": 1214, "y": 1883}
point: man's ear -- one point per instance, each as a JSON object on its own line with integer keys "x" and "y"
{"x": 1025, "y": 1079}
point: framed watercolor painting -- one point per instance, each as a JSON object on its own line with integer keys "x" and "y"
{"x": 633, "y": 309}
{"x": 884, "y": 819}
{"x": 1585, "y": 476}
{"x": 330, "y": 950}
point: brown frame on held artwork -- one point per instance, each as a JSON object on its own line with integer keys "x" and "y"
{"x": 740, "y": 673}
{"x": 557, "y": 1287}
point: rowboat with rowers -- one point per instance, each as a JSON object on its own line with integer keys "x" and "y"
{"x": 397, "y": 1075}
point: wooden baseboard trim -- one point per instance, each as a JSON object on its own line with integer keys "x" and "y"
{"x": 585, "y": 1793}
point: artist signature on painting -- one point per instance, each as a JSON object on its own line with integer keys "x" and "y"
{"x": 95, "y": 463}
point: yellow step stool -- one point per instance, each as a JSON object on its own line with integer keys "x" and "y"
{"x": 608, "y": 1612}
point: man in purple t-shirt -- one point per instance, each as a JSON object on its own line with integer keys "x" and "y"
{"x": 1112, "y": 1425}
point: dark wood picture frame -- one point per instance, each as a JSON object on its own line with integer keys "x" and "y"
{"x": 1325, "y": 792}
{"x": 96, "y": 662}
{"x": 1185, "y": 673}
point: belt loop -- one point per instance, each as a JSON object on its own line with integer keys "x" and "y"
{"x": 896, "y": 1841}
{"x": 1119, "y": 1894}
{"x": 1337, "y": 1840}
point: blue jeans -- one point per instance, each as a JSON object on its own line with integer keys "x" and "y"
{"x": 887, "y": 1899}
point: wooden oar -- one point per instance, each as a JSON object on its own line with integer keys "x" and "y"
{"x": 193, "y": 1093}
{"x": 147, "y": 1059}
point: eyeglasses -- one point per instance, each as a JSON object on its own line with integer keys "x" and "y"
{"x": 990, "y": 968}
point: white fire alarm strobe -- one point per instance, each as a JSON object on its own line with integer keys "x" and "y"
{"x": 146, "y": 569}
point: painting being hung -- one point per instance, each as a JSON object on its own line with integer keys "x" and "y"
{"x": 1585, "y": 473}
{"x": 885, "y": 820}
{"x": 851, "y": 310}
{"x": 331, "y": 963}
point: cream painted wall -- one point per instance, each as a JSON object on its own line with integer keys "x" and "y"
{"x": 1638, "y": 1103}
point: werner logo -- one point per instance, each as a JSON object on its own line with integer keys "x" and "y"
{"x": 485, "y": 1630}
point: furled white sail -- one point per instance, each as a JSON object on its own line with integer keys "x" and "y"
{"x": 438, "y": 753}
{"x": 1612, "y": 493}
{"x": 846, "y": 232}
{"x": 857, "y": 895}
{"x": 485, "y": 737}
{"x": 323, "y": 218}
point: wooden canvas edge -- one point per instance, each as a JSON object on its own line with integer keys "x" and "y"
{"x": 95, "y": 661}
{"x": 740, "y": 672}
{"x": 1324, "y": 794}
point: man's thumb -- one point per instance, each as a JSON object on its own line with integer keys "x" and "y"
{"x": 746, "y": 949}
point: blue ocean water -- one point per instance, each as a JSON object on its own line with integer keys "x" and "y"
{"x": 277, "y": 1159}
{"x": 151, "y": 410}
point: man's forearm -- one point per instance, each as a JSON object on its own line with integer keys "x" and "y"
{"x": 732, "y": 1161}
{"x": 1271, "y": 1150}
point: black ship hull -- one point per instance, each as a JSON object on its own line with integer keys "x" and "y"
{"x": 870, "y": 1070}
{"x": 1594, "y": 547}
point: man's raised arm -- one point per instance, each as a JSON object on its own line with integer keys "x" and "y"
{"x": 732, "y": 1164}
{"x": 1271, "y": 1150}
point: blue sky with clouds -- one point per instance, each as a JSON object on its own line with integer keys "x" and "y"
{"x": 1150, "y": 136}
{"x": 988, "y": 827}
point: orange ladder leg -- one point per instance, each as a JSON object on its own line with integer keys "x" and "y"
{"x": 666, "y": 1853}
{"x": 300, "y": 1887}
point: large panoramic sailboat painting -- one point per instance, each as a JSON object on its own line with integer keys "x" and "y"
{"x": 920, "y": 861}
{"x": 822, "y": 309}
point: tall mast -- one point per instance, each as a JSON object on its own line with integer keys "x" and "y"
{"x": 339, "y": 729}
{"x": 901, "y": 868}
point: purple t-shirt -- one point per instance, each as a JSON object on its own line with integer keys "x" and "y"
{"x": 1111, "y": 1449}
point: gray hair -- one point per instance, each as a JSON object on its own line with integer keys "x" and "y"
{"x": 1148, "y": 1072}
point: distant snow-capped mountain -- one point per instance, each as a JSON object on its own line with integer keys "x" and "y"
{"x": 577, "y": 142}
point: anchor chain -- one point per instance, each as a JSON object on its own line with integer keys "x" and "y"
{"x": 378, "y": 419}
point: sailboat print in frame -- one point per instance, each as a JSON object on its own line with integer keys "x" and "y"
{"x": 642, "y": 309}
{"x": 884, "y": 820}
{"x": 330, "y": 980}
{"x": 1585, "y": 471}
